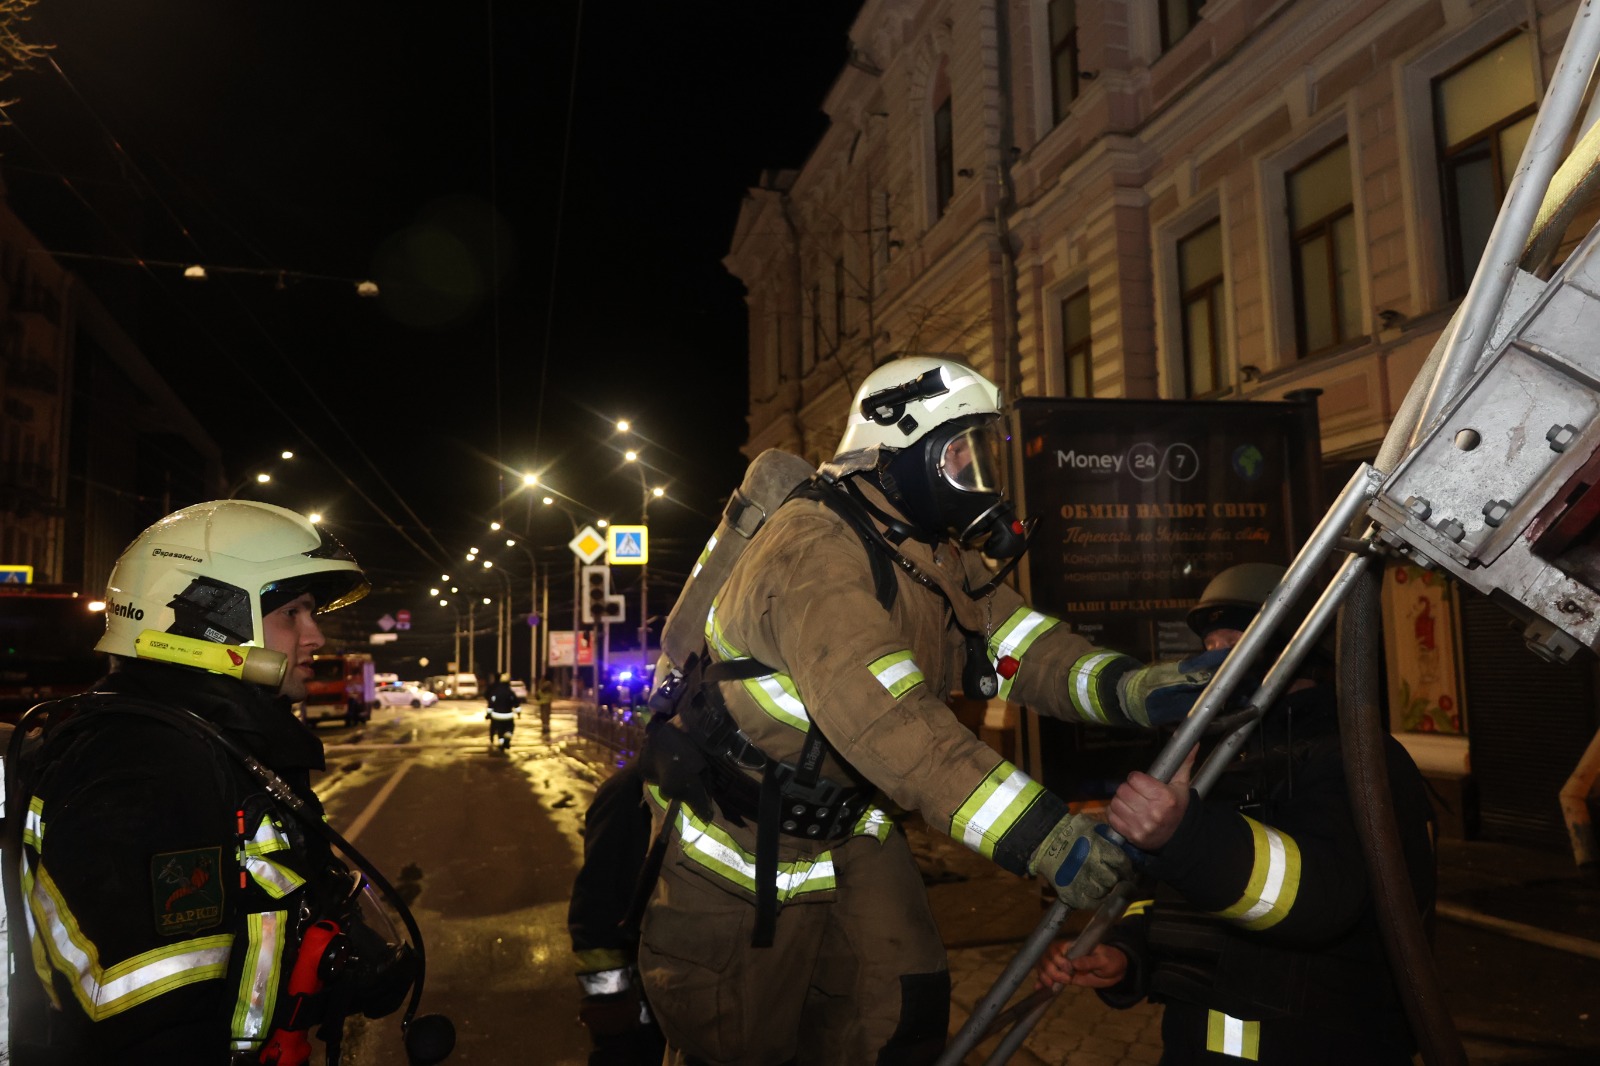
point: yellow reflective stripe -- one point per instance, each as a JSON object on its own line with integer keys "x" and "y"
{"x": 594, "y": 960}
{"x": 874, "y": 822}
{"x": 33, "y": 824}
{"x": 1234, "y": 1037}
{"x": 41, "y": 960}
{"x": 1274, "y": 879}
{"x": 268, "y": 838}
{"x": 1016, "y": 635}
{"x": 106, "y": 991}
{"x": 993, "y": 808}
{"x": 1138, "y": 907}
{"x": 714, "y": 637}
{"x": 274, "y": 878}
{"x": 258, "y": 983}
{"x": 897, "y": 672}
{"x": 773, "y": 693}
{"x": 704, "y": 555}
{"x": 776, "y": 694}
{"x": 1085, "y": 675}
{"x": 716, "y": 851}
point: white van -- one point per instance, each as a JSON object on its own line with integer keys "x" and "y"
{"x": 465, "y": 687}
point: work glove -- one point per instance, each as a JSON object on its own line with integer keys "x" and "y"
{"x": 1079, "y": 862}
{"x": 1163, "y": 693}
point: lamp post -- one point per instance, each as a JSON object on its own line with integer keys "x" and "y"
{"x": 646, "y": 494}
{"x": 549, "y": 501}
{"x": 502, "y": 645}
{"x": 260, "y": 478}
{"x": 534, "y": 672}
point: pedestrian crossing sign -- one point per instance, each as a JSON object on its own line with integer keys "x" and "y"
{"x": 627, "y": 545}
{"x": 16, "y": 574}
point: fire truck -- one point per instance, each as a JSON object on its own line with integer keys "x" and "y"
{"x": 341, "y": 686}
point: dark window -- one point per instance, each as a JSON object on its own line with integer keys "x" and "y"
{"x": 1063, "y": 56}
{"x": 1178, "y": 17}
{"x": 1483, "y": 111}
{"x": 1075, "y": 346}
{"x": 1200, "y": 282}
{"x": 944, "y": 160}
{"x": 838, "y": 299}
{"x": 1323, "y": 233}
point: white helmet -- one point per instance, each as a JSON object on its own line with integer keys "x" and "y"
{"x": 213, "y": 570}
{"x": 928, "y": 432}
{"x": 901, "y": 401}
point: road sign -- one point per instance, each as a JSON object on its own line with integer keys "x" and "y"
{"x": 587, "y": 545}
{"x": 16, "y": 574}
{"x": 386, "y": 623}
{"x": 627, "y": 545}
{"x": 402, "y": 619}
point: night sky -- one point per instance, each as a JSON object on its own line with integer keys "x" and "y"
{"x": 339, "y": 141}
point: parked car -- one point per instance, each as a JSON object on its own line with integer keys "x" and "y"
{"x": 398, "y": 694}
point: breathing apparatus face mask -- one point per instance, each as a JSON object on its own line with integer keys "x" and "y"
{"x": 951, "y": 484}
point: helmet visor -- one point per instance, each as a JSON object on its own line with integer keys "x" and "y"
{"x": 971, "y": 460}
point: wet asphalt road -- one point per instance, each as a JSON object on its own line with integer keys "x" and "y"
{"x": 485, "y": 845}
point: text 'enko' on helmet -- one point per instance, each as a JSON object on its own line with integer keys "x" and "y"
{"x": 213, "y": 570}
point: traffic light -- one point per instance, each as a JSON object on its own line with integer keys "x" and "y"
{"x": 599, "y": 604}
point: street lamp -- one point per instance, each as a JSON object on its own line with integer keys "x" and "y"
{"x": 502, "y": 645}
{"x": 260, "y": 477}
{"x": 646, "y": 494}
{"x": 534, "y": 672}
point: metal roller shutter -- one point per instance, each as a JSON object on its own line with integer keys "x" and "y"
{"x": 1528, "y": 721}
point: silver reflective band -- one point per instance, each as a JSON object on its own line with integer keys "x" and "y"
{"x": 604, "y": 982}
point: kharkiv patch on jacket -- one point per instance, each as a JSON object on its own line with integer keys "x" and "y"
{"x": 186, "y": 890}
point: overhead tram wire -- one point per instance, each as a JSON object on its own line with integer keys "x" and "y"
{"x": 272, "y": 343}
{"x": 555, "y": 242}
{"x": 494, "y": 269}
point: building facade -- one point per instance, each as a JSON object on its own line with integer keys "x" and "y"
{"x": 1233, "y": 199}
{"x": 94, "y": 445}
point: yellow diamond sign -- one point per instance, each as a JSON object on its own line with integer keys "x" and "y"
{"x": 587, "y": 545}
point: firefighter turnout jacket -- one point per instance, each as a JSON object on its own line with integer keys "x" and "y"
{"x": 1274, "y": 954}
{"x": 166, "y": 892}
{"x": 800, "y": 624}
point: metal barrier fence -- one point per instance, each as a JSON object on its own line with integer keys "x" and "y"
{"x": 619, "y": 728}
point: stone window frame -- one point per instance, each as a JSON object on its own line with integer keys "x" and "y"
{"x": 1271, "y": 177}
{"x": 1417, "y": 134}
{"x": 1166, "y": 235}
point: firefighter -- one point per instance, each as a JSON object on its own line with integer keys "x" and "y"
{"x": 502, "y": 713}
{"x": 545, "y": 696}
{"x": 1271, "y": 951}
{"x": 788, "y": 923}
{"x": 168, "y": 893}
{"x": 616, "y": 835}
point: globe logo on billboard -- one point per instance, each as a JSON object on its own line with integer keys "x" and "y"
{"x": 1248, "y": 461}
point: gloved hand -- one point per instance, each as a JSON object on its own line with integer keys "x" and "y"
{"x": 1079, "y": 862}
{"x": 1163, "y": 693}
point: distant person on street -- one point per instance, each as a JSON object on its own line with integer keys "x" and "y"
{"x": 544, "y": 694}
{"x": 502, "y": 713}
{"x": 1272, "y": 951}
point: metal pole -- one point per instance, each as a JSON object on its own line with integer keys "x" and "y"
{"x": 1471, "y": 328}
{"x": 542, "y": 633}
{"x": 472, "y": 637}
{"x": 644, "y": 578}
{"x": 534, "y": 673}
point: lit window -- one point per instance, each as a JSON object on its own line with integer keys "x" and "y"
{"x": 1063, "y": 56}
{"x": 1200, "y": 282}
{"x": 1075, "y": 346}
{"x": 1483, "y": 112}
{"x": 1178, "y": 17}
{"x": 1323, "y": 231}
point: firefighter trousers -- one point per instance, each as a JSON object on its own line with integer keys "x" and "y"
{"x": 858, "y": 977}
